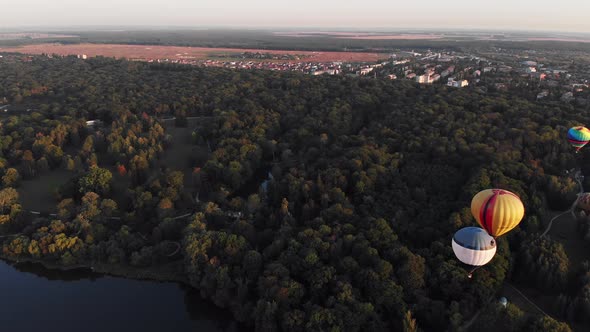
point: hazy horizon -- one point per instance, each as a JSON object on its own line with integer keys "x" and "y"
{"x": 525, "y": 15}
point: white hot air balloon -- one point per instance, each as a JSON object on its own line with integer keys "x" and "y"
{"x": 473, "y": 246}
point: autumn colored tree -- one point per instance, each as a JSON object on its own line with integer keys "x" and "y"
{"x": 121, "y": 170}
{"x": 11, "y": 178}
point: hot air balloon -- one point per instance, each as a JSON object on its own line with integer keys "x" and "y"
{"x": 473, "y": 246}
{"x": 497, "y": 211}
{"x": 578, "y": 137}
{"x": 584, "y": 202}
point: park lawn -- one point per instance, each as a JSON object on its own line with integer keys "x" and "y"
{"x": 544, "y": 299}
{"x": 178, "y": 155}
{"x": 182, "y": 155}
{"x": 119, "y": 186}
{"x": 565, "y": 231}
{"x": 39, "y": 194}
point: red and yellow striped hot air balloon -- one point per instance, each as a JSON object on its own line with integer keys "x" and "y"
{"x": 497, "y": 211}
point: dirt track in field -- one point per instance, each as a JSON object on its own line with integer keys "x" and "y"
{"x": 153, "y": 52}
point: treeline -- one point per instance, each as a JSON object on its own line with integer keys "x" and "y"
{"x": 351, "y": 230}
{"x": 310, "y": 41}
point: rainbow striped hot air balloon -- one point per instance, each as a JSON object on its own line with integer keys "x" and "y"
{"x": 497, "y": 211}
{"x": 578, "y": 137}
{"x": 473, "y": 246}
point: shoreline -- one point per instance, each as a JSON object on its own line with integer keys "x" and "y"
{"x": 165, "y": 274}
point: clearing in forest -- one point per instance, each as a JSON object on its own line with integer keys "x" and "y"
{"x": 39, "y": 193}
{"x": 565, "y": 231}
{"x": 182, "y": 154}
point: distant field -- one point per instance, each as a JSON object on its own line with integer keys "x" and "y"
{"x": 360, "y": 35}
{"x": 32, "y": 35}
{"x": 149, "y": 52}
{"x": 394, "y": 37}
{"x": 573, "y": 40}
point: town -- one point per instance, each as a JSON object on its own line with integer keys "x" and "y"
{"x": 541, "y": 75}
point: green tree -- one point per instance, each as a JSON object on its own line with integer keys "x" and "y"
{"x": 96, "y": 180}
{"x": 108, "y": 206}
{"x": 544, "y": 262}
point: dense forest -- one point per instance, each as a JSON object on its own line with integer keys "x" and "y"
{"x": 364, "y": 182}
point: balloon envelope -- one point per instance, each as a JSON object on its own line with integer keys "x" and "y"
{"x": 578, "y": 136}
{"x": 473, "y": 246}
{"x": 584, "y": 202}
{"x": 497, "y": 211}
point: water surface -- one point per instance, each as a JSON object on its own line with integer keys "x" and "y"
{"x": 33, "y": 298}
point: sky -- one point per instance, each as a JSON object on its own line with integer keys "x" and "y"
{"x": 548, "y": 15}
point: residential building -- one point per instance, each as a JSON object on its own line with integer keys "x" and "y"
{"x": 542, "y": 94}
{"x": 567, "y": 97}
{"x": 93, "y": 123}
{"x": 457, "y": 84}
{"x": 365, "y": 71}
{"x": 422, "y": 79}
{"x": 427, "y": 78}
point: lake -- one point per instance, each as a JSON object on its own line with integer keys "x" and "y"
{"x": 33, "y": 298}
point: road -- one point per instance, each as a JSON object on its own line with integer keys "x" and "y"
{"x": 187, "y": 118}
{"x": 533, "y": 304}
{"x": 9, "y": 235}
{"x": 38, "y": 213}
